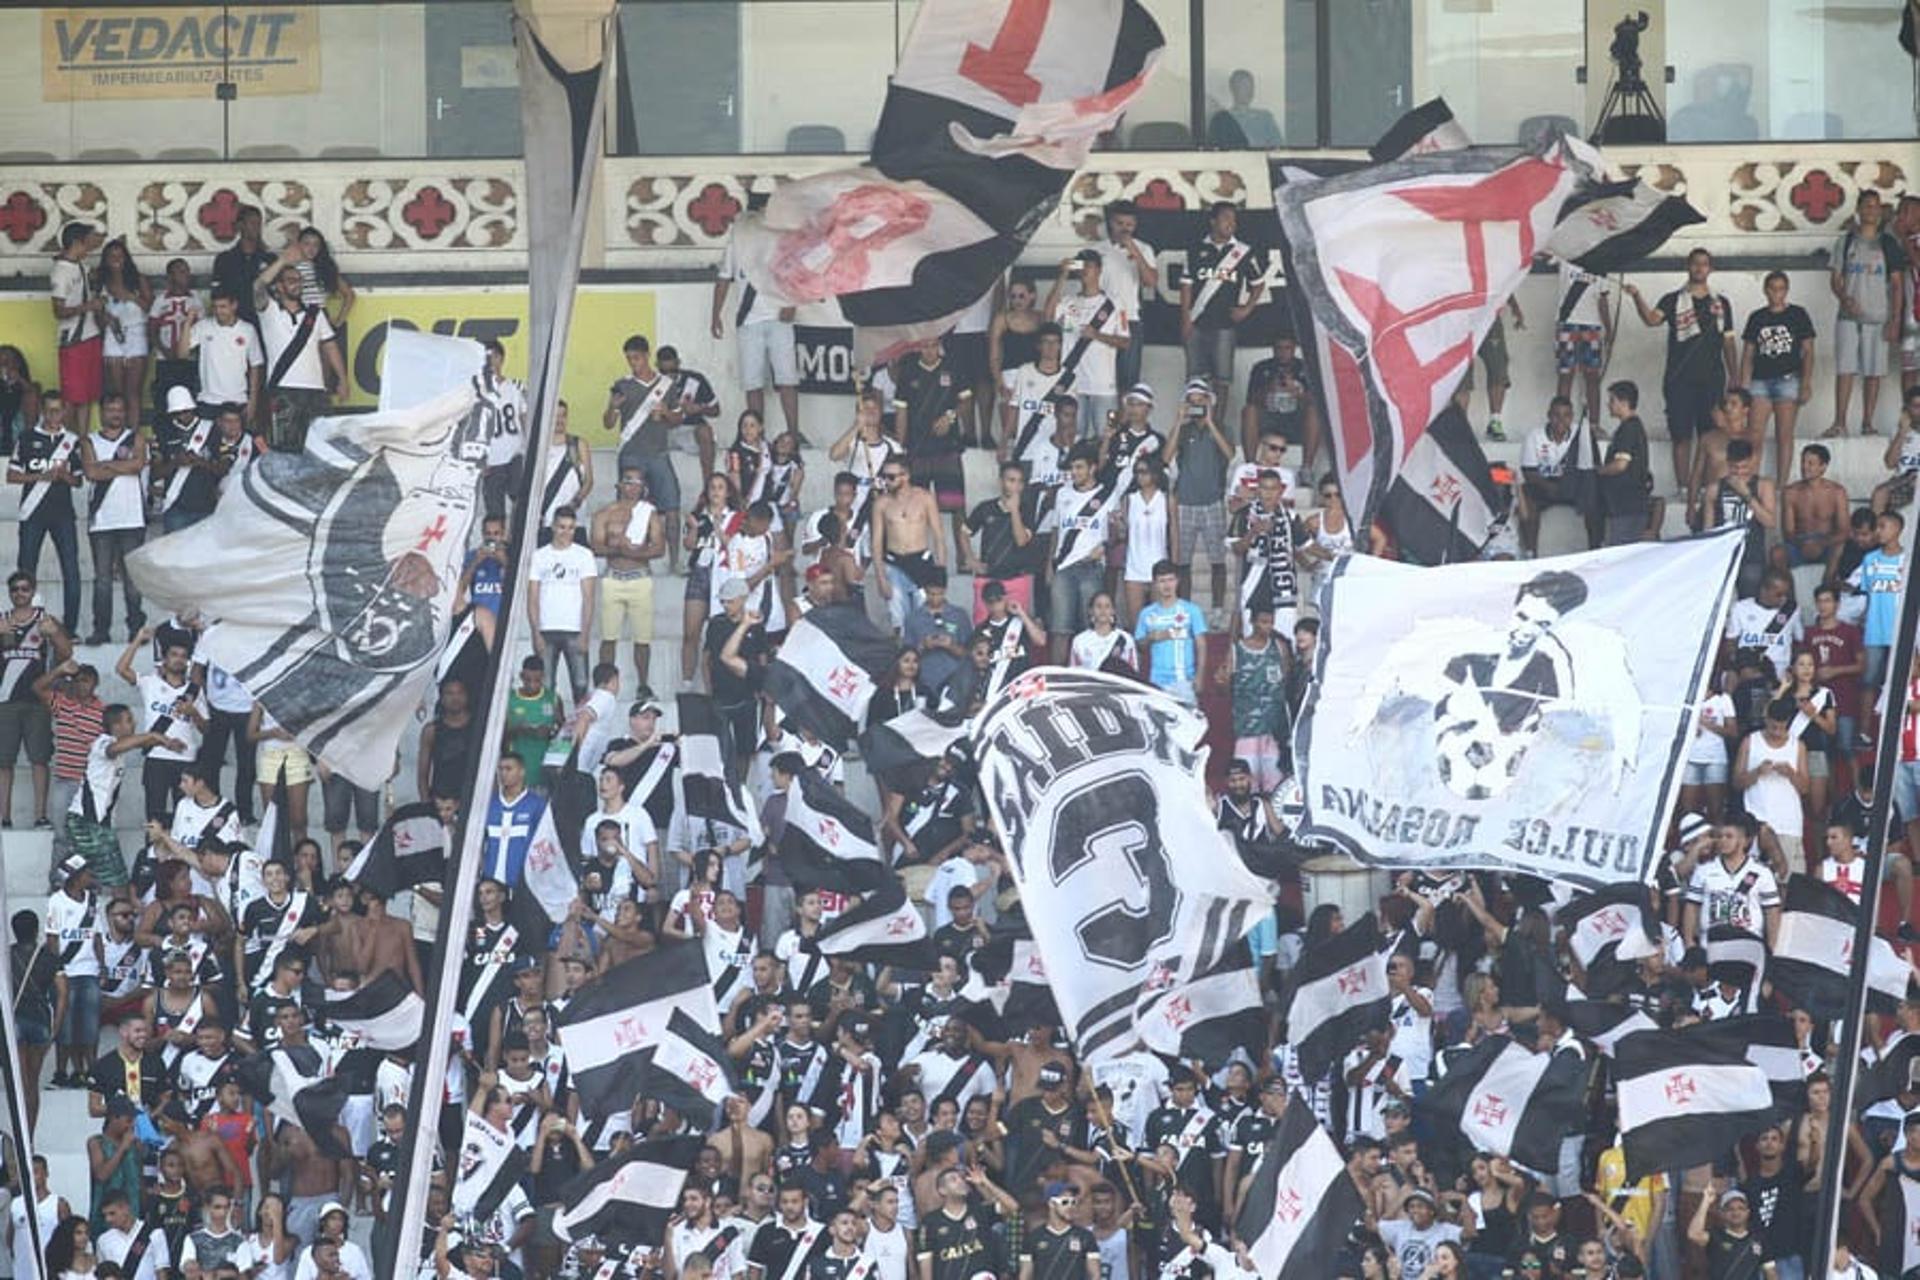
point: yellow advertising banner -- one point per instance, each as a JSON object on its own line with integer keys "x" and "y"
{"x": 602, "y": 320}
{"x": 90, "y": 52}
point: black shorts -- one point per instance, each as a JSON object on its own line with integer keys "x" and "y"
{"x": 967, "y": 356}
{"x": 1690, "y": 407}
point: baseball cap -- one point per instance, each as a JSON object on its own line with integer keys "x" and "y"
{"x": 1142, "y": 392}
{"x": 1692, "y": 827}
{"x": 1274, "y": 1084}
{"x": 1730, "y": 1195}
{"x": 1418, "y": 1193}
{"x": 1198, "y": 387}
{"x": 1051, "y": 1075}
{"x": 1088, "y": 255}
{"x": 180, "y": 400}
{"x": 734, "y": 588}
{"x": 1059, "y": 1187}
{"x": 72, "y": 865}
{"x": 332, "y": 1206}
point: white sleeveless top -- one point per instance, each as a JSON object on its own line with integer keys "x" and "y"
{"x": 1772, "y": 799}
{"x": 1146, "y": 534}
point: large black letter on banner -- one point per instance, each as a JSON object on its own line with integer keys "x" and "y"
{"x": 1094, "y": 823}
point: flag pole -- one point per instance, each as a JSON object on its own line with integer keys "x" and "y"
{"x": 465, "y": 860}
{"x": 1846, "y": 1067}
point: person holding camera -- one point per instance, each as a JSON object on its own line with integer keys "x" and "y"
{"x": 1198, "y": 452}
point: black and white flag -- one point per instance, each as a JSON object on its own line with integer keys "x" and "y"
{"x": 491, "y": 1164}
{"x": 826, "y": 671}
{"x": 690, "y": 1070}
{"x": 1215, "y": 1017}
{"x": 1683, "y": 1103}
{"x": 331, "y": 572}
{"x": 629, "y": 1197}
{"x": 1443, "y": 505}
{"x": 827, "y": 841}
{"x": 1739, "y": 957}
{"x": 902, "y": 751}
{"x": 992, "y": 107}
{"x": 707, "y": 794}
{"x": 1301, "y": 1204}
{"x": 409, "y": 849}
{"x": 1096, "y": 784}
{"x": 1811, "y": 962}
{"x": 1505, "y": 1098}
{"x": 296, "y": 1088}
{"x": 1431, "y": 126}
{"x": 384, "y": 1014}
{"x": 1339, "y": 994}
{"x": 1766, "y": 1040}
{"x": 1535, "y": 721}
{"x": 1602, "y": 1023}
{"x": 1613, "y": 226}
{"x": 1008, "y": 979}
{"x": 884, "y": 929}
{"x": 613, "y": 1024}
{"x": 1617, "y": 923}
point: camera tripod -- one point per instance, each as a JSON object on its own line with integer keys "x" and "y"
{"x": 1629, "y": 113}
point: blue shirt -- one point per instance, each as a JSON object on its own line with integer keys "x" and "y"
{"x": 1175, "y": 660}
{"x": 1879, "y": 576}
{"x": 484, "y": 590}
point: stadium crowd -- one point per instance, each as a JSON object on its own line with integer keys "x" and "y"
{"x": 892, "y": 1124}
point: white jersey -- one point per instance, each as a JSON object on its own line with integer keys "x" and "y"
{"x": 509, "y": 432}
{"x": 74, "y": 926}
{"x": 157, "y": 698}
{"x": 1146, "y": 534}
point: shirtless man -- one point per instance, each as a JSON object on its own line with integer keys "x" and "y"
{"x": 1732, "y": 420}
{"x": 1816, "y": 511}
{"x": 744, "y": 1149}
{"x": 386, "y": 942}
{"x": 315, "y": 1178}
{"x": 209, "y": 1163}
{"x": 629, "y": 532}
{"x": 1027, "y": 1055}
{"x": 906, "y": 539}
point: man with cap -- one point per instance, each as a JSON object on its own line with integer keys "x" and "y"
{"x": 1093, "y": 332}
{"x": 1193, "y": 1131}
{"x": 1199, "y": 452}
{"x": 76, "y": 938}
{"x": 1733, "y": 1251}
{"x": 1044, "y": 1125}
{"x": 1415, "y": 1238}
{"x": 737, "y": 650}
{"x": 1060, "y": 1250}
{"x": 352, "y": 1260}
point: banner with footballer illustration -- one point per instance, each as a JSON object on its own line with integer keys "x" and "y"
{"x": 1527, "y": 716}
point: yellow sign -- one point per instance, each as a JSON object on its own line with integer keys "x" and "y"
{"x": 88, "y": 53}
{"x": 602, "y": 320}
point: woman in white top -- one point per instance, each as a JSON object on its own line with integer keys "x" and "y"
{"x": 1816, "y": 718}
{"x": 1703, "y": 784}
{"x": 125, "y": 347}
{"x": 1770, "y": 772}
{"x": 1103, "y": 642}
{"x": 1149, "y": 520}
{"x": 70, "y": 1251}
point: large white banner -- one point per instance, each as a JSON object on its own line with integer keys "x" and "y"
{"x": 1514, "y": 715}
{"x": 1097, "y": 787}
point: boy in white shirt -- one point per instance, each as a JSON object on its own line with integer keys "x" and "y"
{"x": 560, "y": 600}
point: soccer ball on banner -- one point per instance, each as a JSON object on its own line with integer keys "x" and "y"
{"x": 1475, "y": 760}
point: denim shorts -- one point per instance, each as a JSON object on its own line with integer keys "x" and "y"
{"x": 1779, "y": 390}
{"x": 82, "y": 1023}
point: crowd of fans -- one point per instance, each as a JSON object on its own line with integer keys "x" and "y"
{"x": 955, "y": 1143}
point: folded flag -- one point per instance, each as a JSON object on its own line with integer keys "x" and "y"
{"x": 1443, "y": 507}
{"x": 1301, "y": 1203}
{"x": 902, "y": 751}
{"x": 1739, "y": 957}
{"x": 629, "y": 1197}
{"x": 1767, "y": 1041}
{"x": 827, "y": 669}
{"x": 690, "y": 1070}
{"x": 295, "y": 1088}
{"x": 1684, "y": 1102}
{"x": 1339, "y": 994}
{"x": 1616, "y": 923}
{"x": 384, "y": 1014}
{"x": 1507, "y": 1099}
{"x": 1602, "y": 1023}
{"x": 409, "y": 849}
{"x": 1615, "y": 225}
{"x": 1212, "y": 1017}
{"x": 612, "y": 1026}
{"x": 707, "y": 793}
{"x": 884, "y": 928}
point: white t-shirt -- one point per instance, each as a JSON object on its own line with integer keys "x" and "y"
{"x": 1094, "y": 375}
{"x": 69, "y": 922}
{"x": 115, "y": 1245}
{"x": 1739, "y": 898}
{"x": 175, "y": 314}
{"x": 1415, "y": 1249}
{"x": 509, "y": 439}
{"x": 1546, "y": 455}
{"x": 955, "y": 872}
{"x": 763, "y": 308}
{"x": 101, "y": 786}
{"x": 191, "y": 820}
{"x": 1707, "y": 746}
{"x": 889, "y": 1251}
{"x": 1120, "y": 275}
{"x": 1027, "y": 389}
{"x": 224, "y": 693}
{"x": 606, "y": 721}
{"x": 1752, "y": 625}
{"x": 226, "y": 353}
{"x": 561, "y": 571}
{"x": 277, "y": 326}
{"x": 67, "y": 282}
{"x": 1091, "y": 649}
{"x": 156, "y": 700}
{"x": 1586, "y": 310}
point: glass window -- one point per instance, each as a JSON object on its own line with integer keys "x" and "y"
{"x": 1259, "y": 74}
{"x": 1506, "y": 70}
{"x": 1161, "y": 118}
{"x": 1785, "y": 69}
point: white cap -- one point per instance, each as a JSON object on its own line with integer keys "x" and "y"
{"x": 179, "y": 399}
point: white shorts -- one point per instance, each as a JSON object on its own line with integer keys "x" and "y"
{"x": 767, "y": 355}
{"x": 1860, "y": 348}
